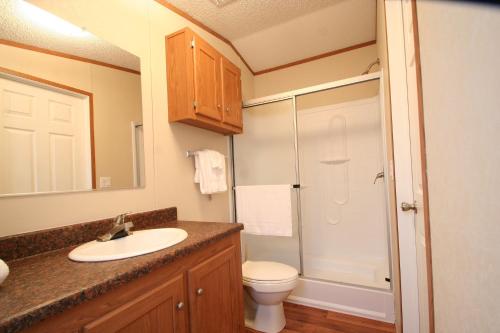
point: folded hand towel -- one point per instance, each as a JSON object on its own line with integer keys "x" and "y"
{"x": 210, "y": 171}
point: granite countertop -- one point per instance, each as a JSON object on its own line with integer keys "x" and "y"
{"x": 48, "y": 283}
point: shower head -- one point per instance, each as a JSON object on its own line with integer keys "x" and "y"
{"x": 376, "y": 62}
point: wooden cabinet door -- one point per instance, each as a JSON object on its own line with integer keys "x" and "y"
{"x": 231, "y": 93}
{"x": 160, "y": 310}
{"x": 213, "y": 294}
{"x": 207, "y": 80}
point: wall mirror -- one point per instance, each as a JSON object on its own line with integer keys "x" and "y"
{"x": 70, "y": 107}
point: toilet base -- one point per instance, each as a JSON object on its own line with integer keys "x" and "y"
{"x": 264, "y": 318}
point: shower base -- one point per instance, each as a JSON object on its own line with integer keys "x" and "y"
{"x": 368, "y": 273}
{"x": 359, "y": 301}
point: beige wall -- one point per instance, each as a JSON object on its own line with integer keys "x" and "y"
{"x": 327, "y": 69}
{"x": 461, "y": 80}
{"x": 117, "y": 102}
{"x": 140, "y": 28}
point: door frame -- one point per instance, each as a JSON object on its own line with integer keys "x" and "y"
{"x": 58, "y": 86}
{"x": 138, "y": 181}
{"x": 402, "y": 158}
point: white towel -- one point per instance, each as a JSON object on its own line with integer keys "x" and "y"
{"x": 4, "y": 271}
{"x": 265, "y": 209}
{"x": 210, "y": 171}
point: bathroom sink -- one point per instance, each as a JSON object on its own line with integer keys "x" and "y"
{"x": 139, "y": 243}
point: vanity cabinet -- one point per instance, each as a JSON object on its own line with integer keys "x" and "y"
{"x": 211, "y": 285}
{"x": 204, "y": 88}
{"x": 198, "y": 293}
{"x": 159, "y": 310}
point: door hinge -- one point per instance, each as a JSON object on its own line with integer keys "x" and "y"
{"x": 192, "y": 43}
{"x": 195, "y": 104}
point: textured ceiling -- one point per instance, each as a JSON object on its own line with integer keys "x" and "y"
{"x": 270, "y": 33}
{"x": 17, "y": 24}
{"x": 244, "y": 17}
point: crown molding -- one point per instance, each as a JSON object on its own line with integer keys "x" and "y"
{"x": 316, "y": 57}
{"x": 66, "y": 55}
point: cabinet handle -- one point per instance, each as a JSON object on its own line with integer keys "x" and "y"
{"x": 180, "y": 305}
{"x": 199, "y": 291}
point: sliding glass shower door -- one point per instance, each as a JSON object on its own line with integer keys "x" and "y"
{"x": 265, "y": 154}
{"x": 343, "y": 203}
{"x": 330, "y": 141}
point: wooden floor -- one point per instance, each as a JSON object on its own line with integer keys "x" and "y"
{"x": 304, "y": 319}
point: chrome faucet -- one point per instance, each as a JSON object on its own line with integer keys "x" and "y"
{"x": 120, "y": 229}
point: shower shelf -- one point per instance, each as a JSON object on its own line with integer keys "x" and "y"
{"x": 333, "y": 161}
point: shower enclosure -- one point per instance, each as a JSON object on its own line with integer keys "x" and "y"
{"x": 328, "y": 141}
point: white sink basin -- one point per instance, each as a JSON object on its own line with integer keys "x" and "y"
{"x": 140, "y": 242}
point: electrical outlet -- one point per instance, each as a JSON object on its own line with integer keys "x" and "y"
{"x": 104, "y": 182}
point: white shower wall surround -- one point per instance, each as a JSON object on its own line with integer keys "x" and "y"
{"x": 333, "y": 158}
{"x": 343, "y": 212}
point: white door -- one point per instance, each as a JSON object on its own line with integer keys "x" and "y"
{"x": 416, "y": 164}
{"x": 408, "y": 166}
{"x": 44, "y": 139}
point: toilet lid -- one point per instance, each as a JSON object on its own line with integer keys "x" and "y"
{"x": 268, "y": 271}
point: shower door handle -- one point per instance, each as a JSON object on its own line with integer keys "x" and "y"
{"x": 379, "y": 175}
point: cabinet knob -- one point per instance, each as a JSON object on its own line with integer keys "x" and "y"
{"x": 218, "y": 106}
{"x": 179, "y": 305}
{"x": 199, "y": 291}
{"x": 228, "y": 109}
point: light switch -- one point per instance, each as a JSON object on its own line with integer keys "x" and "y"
{"x": 104, "y": 182}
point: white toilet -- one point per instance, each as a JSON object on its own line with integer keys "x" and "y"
{"x": 267, "y": 284}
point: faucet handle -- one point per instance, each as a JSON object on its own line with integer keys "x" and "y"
{"x": 128, "y": 226}
{"x": 120, "y": 219}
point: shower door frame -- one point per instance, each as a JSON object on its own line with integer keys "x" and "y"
{"x": 292, "y": 95}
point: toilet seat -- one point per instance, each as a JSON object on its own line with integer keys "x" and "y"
{"x": 268, "y": 276}
{"x": 263, "y": 287}
{"x": 269, "y": 282}
{"x": 268, "y": 271}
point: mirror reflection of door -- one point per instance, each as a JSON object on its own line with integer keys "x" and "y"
{"x": 45, "y": 139}
{"x": 66, "y": 104}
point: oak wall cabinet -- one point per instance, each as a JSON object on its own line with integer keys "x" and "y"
{"x": 204, "y": 88}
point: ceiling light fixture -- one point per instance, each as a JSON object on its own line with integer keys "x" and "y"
{"x": 51, "y": 21}
{"x": 221, "y": 3}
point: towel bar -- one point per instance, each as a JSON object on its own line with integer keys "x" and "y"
{"x": 191, "y": 153}
{"x": 291, "y": 186}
